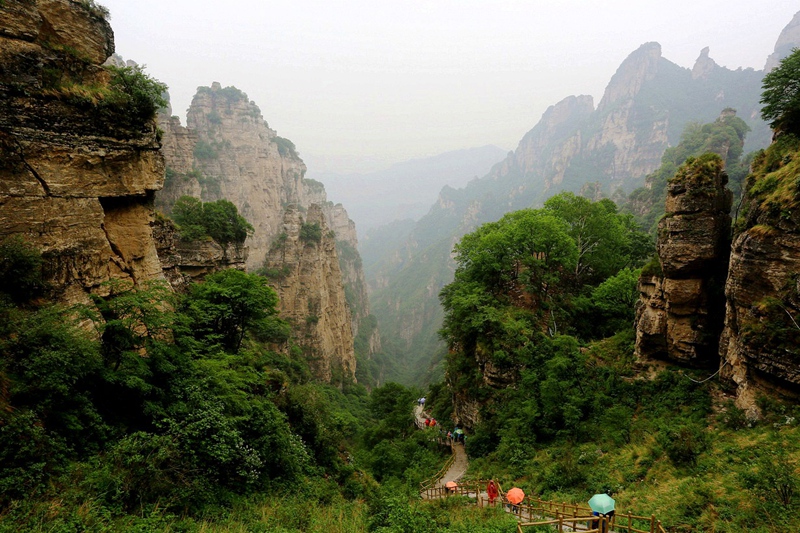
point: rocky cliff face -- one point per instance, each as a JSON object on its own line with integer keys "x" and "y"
{"x": 228, "y": 151}
{"x": 680, "y": 313}
{"x": 304, "y": 269}
{"x": 77, "y": 176}
{"x": 184, "y": 262}
{"x": 759, "y": 345}
{"x": 787, "y": 40}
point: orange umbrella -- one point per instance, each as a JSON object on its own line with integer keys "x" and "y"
{"x": 451, "y": 485}
{"x": 515, "y": 495}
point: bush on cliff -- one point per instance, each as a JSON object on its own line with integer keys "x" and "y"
{"x": 781, "y": 96}
{"x": 219, "y": 220}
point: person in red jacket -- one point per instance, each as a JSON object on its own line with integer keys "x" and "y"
{"x": 491, "y": 491}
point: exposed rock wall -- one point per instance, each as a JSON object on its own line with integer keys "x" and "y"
{"x": 184, "y": 262}
{"x": 787, "y": 40}
{"x": 680, "y": 313}
{"x": 75, "y": 182}
{"x": 228, "y": 151}
{"x": 308, "y": 281}
{"x": 760, "y": 345}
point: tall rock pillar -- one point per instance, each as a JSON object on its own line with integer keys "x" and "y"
{"x": 681, "y": 309}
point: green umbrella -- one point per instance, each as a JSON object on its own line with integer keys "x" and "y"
{"x": 602, "y": 503}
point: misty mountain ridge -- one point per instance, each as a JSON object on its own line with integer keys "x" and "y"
{"x": 407, "y": 189}
{"x": 602, "y": 151}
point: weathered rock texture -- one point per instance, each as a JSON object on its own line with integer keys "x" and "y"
{"x": 184, "y": 262}
{"x": 309, "y": 284}
{"x": 680, "y": 313}
{"x": 761, "y": 340}
{"x": 228, "y": 151}
{"x": 74, "y": 181}
{"x": 787, "y": 40}
{"x": 644, "y": 110}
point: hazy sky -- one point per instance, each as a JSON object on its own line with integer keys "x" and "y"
{"x": 357, "y": 85}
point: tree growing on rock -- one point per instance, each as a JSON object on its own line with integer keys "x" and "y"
{"x": 781, "y": 96}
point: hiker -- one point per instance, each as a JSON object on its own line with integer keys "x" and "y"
{"x": 491, "y": 491}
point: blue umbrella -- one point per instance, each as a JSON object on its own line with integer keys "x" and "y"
{"x": 602, "y": 503}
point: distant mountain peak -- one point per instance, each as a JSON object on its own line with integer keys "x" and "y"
{"x": 787, "y": 40}
{"x": 639, "y": 67}
{"x": 704, "y": 65}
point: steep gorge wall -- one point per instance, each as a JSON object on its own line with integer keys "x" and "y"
{"x": 76, "y": 179}
{"x": 312, "y": 298}
{"x": 759, "y": 345}
{"x": 228, "y": 151}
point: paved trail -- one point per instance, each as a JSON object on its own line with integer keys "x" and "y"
{"x": 460, "y": 464}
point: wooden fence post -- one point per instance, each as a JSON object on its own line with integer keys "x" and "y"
{"x": 652, "y": 523}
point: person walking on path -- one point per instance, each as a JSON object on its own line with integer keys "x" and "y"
{"x": 491, "y": 491}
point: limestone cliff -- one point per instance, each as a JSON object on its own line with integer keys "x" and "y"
{"x": 759, "y": 345}
{"x": 77, "y": 172}
{"x": 228, "y": 151}
{"x": 787, "y": 40}
{"x": 680, "y": 313}
{"x": 184, "y": 262}
{"x": 304, "y": 269}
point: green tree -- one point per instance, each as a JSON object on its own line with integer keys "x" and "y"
{"x": 20, "y": 270}
{"x": 598, "y": 233}
{"x": 141, "y": 95}
{"x": 188, "y": 214}
{"x": 224, "y": 223}
{"x": 224, "y": 307}
{"x": 781, "y": 96}
{"x": 219, "y": 220}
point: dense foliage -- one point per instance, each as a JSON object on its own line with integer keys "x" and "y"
{"x": 724, "y": 137}
{"x": 781, "y": 96}
{"x": 535, "y": 271}
{"x": 219, "y": 220}
{"x": 173, "y": 409}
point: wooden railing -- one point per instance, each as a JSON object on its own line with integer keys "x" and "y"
{"x": 559, "y": 514}
{"x": 429, "y": 486}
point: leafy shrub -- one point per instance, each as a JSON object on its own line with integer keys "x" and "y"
{"x": 219, "y": 220}
{"x": 311, "y": 232}
{"x": 683, "y": 443}
{"x": 137, "y": 93}
{"x": 286, "y": 147}
{"x": 20, "y": 270}
{"x": 95, "y": 9}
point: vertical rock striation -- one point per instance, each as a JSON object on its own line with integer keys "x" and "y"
{"x": 680, "y": 313}
{"x": 308, "y": 280}
{"x": 77, "y": 175}
{"x": 228, "y": 151}
{"x": 760, "y": 342}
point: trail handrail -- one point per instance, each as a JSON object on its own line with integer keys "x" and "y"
{"x": 538, "y": 511}
{"x": 426, "y": 485}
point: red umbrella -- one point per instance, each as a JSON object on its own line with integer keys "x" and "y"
{"x": 515, "y": 495}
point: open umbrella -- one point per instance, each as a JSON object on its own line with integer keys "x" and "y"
{"x": 515, "y": 495}
{"x": 602, "y": 503}
{"x": 451, "y": 485}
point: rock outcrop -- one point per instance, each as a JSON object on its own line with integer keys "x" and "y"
{"x": 77, "y": 174}
{"x": 759, "y": 345}
{"x": 304, "y": 269}
{"x": 680, "y": 313}
{"x": 228, "y": 151}
{"x": 787, "y": 40}
{"x": 184, "y": 262}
